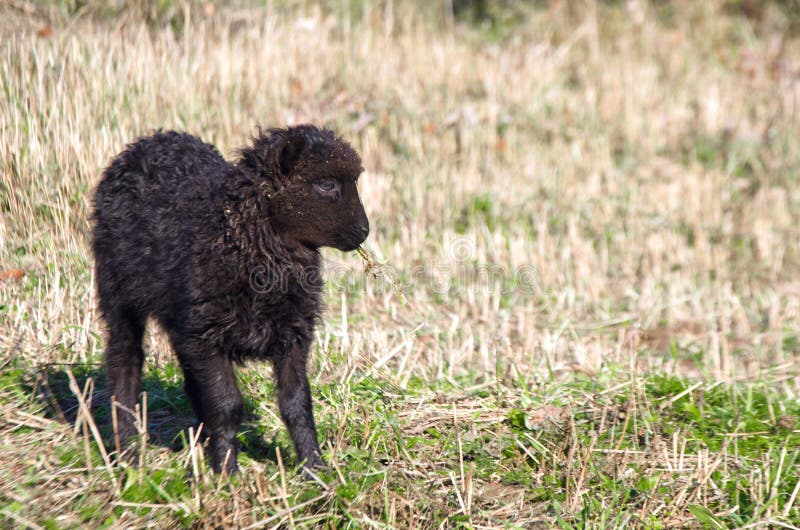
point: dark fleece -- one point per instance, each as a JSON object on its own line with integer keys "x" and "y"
{"x": 221, "y": 256}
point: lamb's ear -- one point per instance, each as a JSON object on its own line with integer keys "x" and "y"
{"x": 290, "y": 153}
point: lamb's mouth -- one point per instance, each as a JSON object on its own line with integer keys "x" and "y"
{"x": 349, "y": 246}
{"x": 353, "y": 238}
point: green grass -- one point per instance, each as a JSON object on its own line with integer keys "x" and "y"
{"x": 598, "y": 452}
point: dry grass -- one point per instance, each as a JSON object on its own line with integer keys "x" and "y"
{"x": 603, "y": 188}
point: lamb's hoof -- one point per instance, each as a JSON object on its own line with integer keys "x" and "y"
{"x": 229, "y": 469}
{"x": 128, "y": 457}
{"x": 311, "y": 469}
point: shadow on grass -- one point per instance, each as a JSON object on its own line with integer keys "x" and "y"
{"x": 169, "y": 412}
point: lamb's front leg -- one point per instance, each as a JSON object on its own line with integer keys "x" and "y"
{"x": 294, "y": 401}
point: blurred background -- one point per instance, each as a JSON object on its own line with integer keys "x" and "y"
{"x": 625, "y": 172}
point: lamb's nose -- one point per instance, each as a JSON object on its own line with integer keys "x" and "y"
{"x": 363, "y": 230}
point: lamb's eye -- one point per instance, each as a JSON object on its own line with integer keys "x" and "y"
{"x": 326, "y": 186}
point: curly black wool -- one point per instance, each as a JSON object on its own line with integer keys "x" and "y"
{"x": 224, "y": 256}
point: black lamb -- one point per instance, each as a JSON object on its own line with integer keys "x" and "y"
{"x": 225, "y": 257}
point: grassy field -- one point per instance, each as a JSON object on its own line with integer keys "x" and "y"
{"x": 583, "y": 309}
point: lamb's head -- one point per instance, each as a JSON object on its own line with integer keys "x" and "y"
{"x": 310, "y": 178}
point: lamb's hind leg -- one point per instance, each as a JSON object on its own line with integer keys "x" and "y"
{"x": 124, "y": 359}
{"x": 211, "y": 385}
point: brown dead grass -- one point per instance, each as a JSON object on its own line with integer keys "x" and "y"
{"x": 646, "y": 174}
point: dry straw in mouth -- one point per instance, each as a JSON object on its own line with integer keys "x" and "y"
{"x": 377, "y": 269}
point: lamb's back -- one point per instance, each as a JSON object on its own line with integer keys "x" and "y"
{"x": 148, "y": 206}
